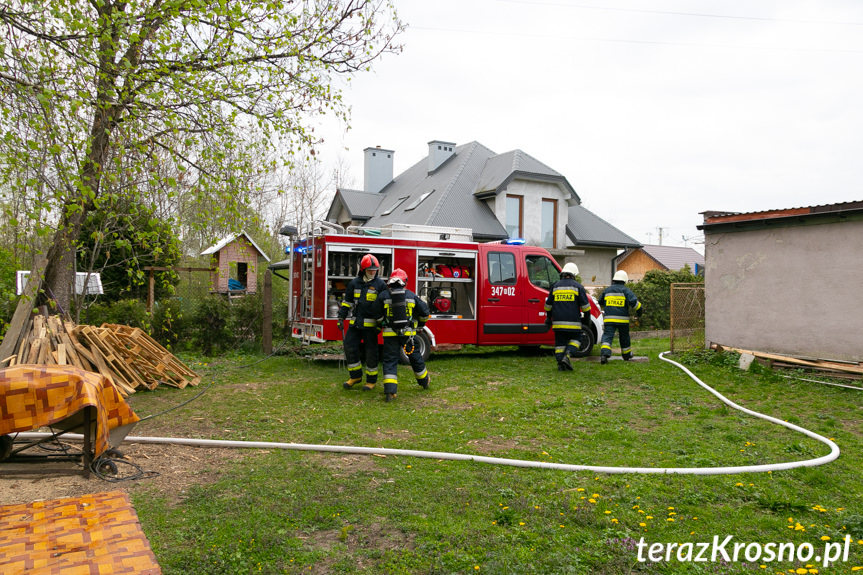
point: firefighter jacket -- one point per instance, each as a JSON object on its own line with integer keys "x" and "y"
{"x": 566, "y": 303}
{"x": 404, "y": 312}
{"x": 616, "y": 301}
{"x": 362, "y": 302}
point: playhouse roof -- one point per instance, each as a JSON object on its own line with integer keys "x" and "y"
{"x": 226, "y": 240}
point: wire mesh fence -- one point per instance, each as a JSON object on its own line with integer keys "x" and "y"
{"x": 687, "y": 316}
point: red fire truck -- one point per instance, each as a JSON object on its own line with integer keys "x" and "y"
{"x": 478, "y": 293}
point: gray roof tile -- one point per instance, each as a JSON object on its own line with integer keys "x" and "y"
{"x": 672, "y": 257}
{"x": 585, "y": 228}
{"x": 456, "y": 189}
{"x": 360, "y": 204}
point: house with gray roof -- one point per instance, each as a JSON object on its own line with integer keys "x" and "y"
{"x": 638, "y": 261}
{"x": 497, "y": 196}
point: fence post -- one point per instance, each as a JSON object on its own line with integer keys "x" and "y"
{"x": 267, "y": 297}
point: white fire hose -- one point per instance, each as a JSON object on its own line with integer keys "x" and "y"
{"x": 834, "y": 449}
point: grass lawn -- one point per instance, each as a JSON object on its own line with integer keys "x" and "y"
{"x": 280, "y": 511}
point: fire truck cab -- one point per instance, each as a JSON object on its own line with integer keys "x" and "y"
{"x": 477, "y": 293}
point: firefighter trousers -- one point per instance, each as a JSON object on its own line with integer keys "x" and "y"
{"x": 566, "y": 343}
{"x": 392, "y": 345}
{"x": 365, "y": 339}
{"x": 608, "y": 337}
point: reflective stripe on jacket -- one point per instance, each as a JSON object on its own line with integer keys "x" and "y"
{"x": 416, "y": 309}
{"x": 566, "y": 303}
{"x": 362, "y": 302}
{"x": 616, "y": 301}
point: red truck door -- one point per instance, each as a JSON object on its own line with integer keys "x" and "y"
{"x": 501, "y": 300}
{"x": 541, "y": 273}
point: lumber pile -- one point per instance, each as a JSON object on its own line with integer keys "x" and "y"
{"x": 833, "y": 368}
{"x": 127, "y": 356}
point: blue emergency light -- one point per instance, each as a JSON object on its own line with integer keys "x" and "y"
{"x": 514, "y": 241}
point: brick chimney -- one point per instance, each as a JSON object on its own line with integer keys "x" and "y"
{"x": 439, "y": 152}
{"x": 377, "y": 168}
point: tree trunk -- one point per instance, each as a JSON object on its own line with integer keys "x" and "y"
{"x": 60, "y": 271}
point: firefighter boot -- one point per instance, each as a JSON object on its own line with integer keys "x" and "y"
{"x": 566, "y": 364}
{"x": 368, "y": 386}
{"x": 424, "y": 382}
{"x": 351, "y": 382}
{"x": 627, "y": 356}
{"x": 388, "y": 397}
{"x": 603, "y": 359}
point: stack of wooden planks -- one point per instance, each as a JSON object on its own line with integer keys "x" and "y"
{"x": 127, "y": 356}
{"x": 833, "y": 368}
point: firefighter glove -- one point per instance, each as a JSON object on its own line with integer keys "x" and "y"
{"x": 547, "y": 320}
{"x": 340, "y": 324}
{"x": 639, "y": 312}
{"x": 585, "y": 319}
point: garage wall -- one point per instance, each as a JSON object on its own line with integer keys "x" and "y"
{"x": 793, "y": 290}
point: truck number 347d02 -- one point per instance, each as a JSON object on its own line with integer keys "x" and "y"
{"x": 502, "y": 290}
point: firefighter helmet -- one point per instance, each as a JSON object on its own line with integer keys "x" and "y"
{"x": 398, "y": 277}
{"x": 570, "y": 269}
{"x": 620, "y": 276}
{"x": 369, "y": 262}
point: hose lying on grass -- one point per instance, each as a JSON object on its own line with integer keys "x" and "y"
{"x": 834, "y": 449}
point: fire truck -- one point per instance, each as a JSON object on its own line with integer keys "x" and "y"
{"x": 477, "y": 293}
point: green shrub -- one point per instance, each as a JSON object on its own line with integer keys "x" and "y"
{"x": 129, "y": 312}
{"x": 8, "y": 299}
{"x": 169, "y": 325}
{"x": 212, "y": 325}
{"x": 654, "y": 293}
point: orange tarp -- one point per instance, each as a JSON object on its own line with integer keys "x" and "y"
{"x": 96, "y": 533}
{"x": 34, "y": 396}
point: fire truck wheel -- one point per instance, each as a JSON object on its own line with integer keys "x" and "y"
{"x": 587, "y": 342}
{"x": 423, "y": 344}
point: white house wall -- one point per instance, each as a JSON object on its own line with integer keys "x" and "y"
{"x": 533, "y": 194}
{"x": 787, "y": 290}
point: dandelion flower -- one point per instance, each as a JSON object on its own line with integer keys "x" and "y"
{"x": 825, "y": 538}
{"x": 642, "y": 524}
{"x": 607, "y": 512}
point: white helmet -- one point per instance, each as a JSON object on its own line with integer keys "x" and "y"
{"x": 620, "y": 276}
{"x": 570, "y": 268}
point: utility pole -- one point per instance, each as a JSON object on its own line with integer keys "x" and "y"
{"x": 660, "y": 231}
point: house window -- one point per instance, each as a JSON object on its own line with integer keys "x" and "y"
{"x": 548, "y": 231}
{"x": 514, "y": 212}
{"x": 501, "y": 268}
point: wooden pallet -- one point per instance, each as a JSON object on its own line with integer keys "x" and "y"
{"x": 825, "y": 365}
{"x": 151, "y": 358}
{"x": 128, "y": 357}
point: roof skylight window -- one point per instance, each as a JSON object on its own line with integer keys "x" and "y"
{"x": 418, "y": 201}
{"x": 394, "y": 206}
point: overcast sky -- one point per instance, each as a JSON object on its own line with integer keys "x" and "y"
{"x": 654, "y": 110}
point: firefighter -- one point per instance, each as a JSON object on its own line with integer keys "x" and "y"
{"x": 616, "y": 301}
{"x": 404, "y": 314}
{"x": 363, "y": 304}
{"x": 567, "y": 308}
